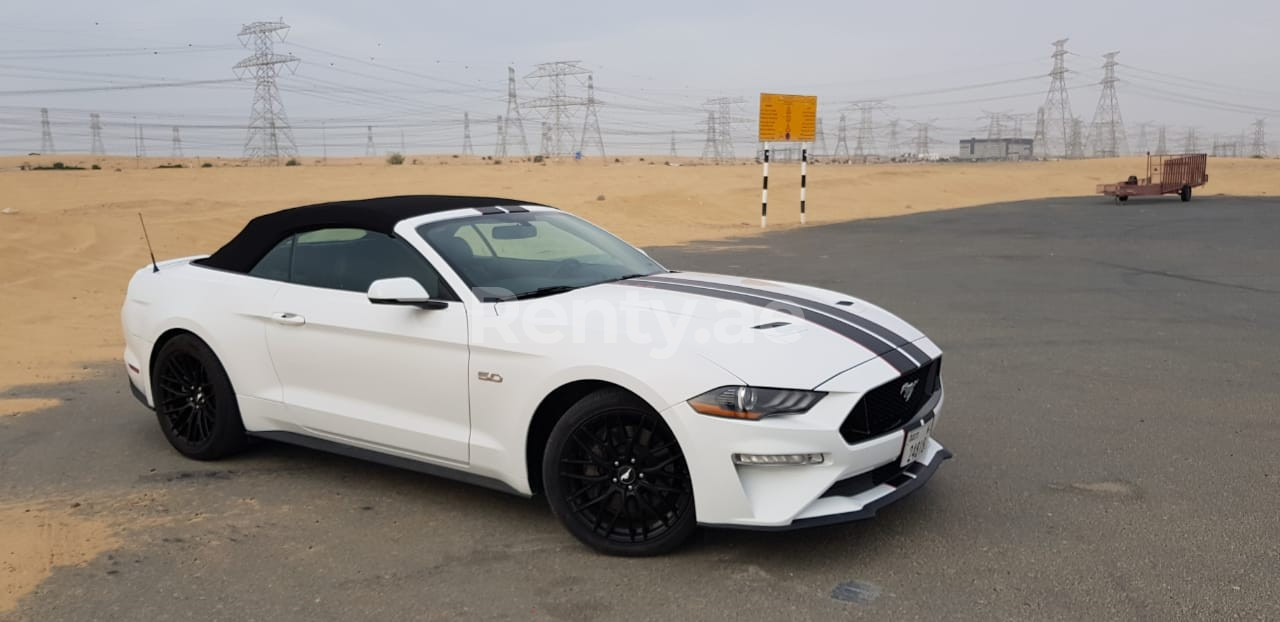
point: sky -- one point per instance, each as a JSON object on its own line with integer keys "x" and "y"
{"x": 411, "y": 70}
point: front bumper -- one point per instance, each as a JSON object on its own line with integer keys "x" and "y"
{"x": 852, "y": 483}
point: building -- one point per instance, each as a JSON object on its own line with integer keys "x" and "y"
{"x": 996, "y": 149}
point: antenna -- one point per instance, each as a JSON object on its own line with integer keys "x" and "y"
{"x": 154, "y": 267}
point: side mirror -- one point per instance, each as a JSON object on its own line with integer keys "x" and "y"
{"x": 402, "y": 291}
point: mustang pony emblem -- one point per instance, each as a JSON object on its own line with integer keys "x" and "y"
{"x": 907, "y": 389}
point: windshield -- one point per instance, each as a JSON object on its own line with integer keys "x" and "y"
{"x": 522, "y": 255}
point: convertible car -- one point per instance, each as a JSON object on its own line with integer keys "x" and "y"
{"x": 516, "y": 346}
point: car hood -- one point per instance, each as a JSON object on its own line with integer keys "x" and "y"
{"x": 767, "y": 333}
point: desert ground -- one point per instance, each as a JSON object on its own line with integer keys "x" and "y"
{"x": 69, "y": 241}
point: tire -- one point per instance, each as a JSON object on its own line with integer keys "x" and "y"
{"x": 1185, "y": 194}
{"x": 616, "y": 477}
{"x": 195, "y": 403}
{"x": 1122, "y": 198}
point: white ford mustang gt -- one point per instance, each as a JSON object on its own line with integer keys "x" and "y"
{"x": 519, "y": 347}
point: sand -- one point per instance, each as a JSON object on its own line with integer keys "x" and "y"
{"x": 69, "y": 240}
{"x": 40, "y": 536}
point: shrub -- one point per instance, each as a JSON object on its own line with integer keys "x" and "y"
{"x": 96, "y": 167}
{"x": 57, "y": 166}
{"x": 171, "y": 166}
{"x": 207, "y": 165}
{"x": 537, "y": 159}
{"x": 395, "y": 159}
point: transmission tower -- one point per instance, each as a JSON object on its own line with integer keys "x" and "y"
{"x": 95, "y": 135}
{"x": 548, "y": 142}
{"x": 1259, "y": 139}
{"x": 46, "y": 133}
{"x": 865, "y": 142}
{"x": 673, "y": 144}
{"x": 500, "y": 146}
{"x": 922, "y": 139}
{"x": 1057, "y": 105}
{"x": 467, "y": 148}
{"x": 1191, "y": 143}
{"x": 711, "y": 148}
{"x": 1108, "y": 136}
{"x": 1075, "y": 144}
{"x": 176, "y": 150}
{"x": 370, "y": 149}
{"x": 558, "y": 106}
{"x": 1161, "y": 149}
{"x": 269, "y": 136}
{"x": 139, "y": 143}
{"x": 1144, "y": 145}
{"x": 591, "y": 119}
{"x": 1018, "y": 121}
{"x": 893, "y": 139}
{"x": 1039, "y": 144}
{"x": 820, "y": 139}
{"x": 723, "y": 108}
{"x": 995, "y": 124}
{"x": 513, "y": 117}
{"x": 842, "y": 140}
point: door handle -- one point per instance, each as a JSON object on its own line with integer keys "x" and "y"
{"x": 288, "y": 319}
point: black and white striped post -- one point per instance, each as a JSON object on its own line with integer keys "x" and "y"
{"x": 764, "y": 190}
{"x": 804, "y": 166}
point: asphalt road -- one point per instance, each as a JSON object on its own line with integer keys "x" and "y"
{"x": 1112, "y": 401}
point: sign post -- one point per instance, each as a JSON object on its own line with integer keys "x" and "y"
{"x": 786, "y": 118}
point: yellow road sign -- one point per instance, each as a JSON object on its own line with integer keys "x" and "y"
{"x": 786, "y": 118}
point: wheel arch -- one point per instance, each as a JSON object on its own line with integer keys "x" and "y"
{"x": 166, "y": 337}
{"x": 549, "y": 411}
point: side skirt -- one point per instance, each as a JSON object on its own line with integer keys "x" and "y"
{"x": 398, "y": 462}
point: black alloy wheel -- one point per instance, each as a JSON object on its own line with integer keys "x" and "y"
{"x": 617, "y": 478}
{"x": 195, "y": 404}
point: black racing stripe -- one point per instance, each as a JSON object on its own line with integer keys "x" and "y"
{"x": 515, "y": 209}
{"x": 890, "y": 354}
{"x": 898, "y": 341}
{"x": 490, "y": 210}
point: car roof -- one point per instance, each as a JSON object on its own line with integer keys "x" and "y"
{"x": 381, "y": 214}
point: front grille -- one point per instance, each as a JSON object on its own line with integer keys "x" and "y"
{"x": 884, "y": 409}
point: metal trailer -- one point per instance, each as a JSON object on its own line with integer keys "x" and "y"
{"x": 1174, "y": 174}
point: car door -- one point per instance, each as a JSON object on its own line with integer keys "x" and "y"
{"x": 389, "y": 378}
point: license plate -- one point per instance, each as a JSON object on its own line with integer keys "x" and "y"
{"x": 917, "y": 440}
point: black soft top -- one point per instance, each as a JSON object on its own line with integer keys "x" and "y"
{"x": 242, "y": 253}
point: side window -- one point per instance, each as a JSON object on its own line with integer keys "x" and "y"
{"x": 275, "y": 264}
{"x": 351, "y": 259}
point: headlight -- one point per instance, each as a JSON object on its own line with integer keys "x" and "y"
{"x": 753, "y": 402}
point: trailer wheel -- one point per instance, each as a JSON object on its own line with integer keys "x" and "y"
{"x": 1122, "y": 197}
{"x": 1185, "y": 194}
